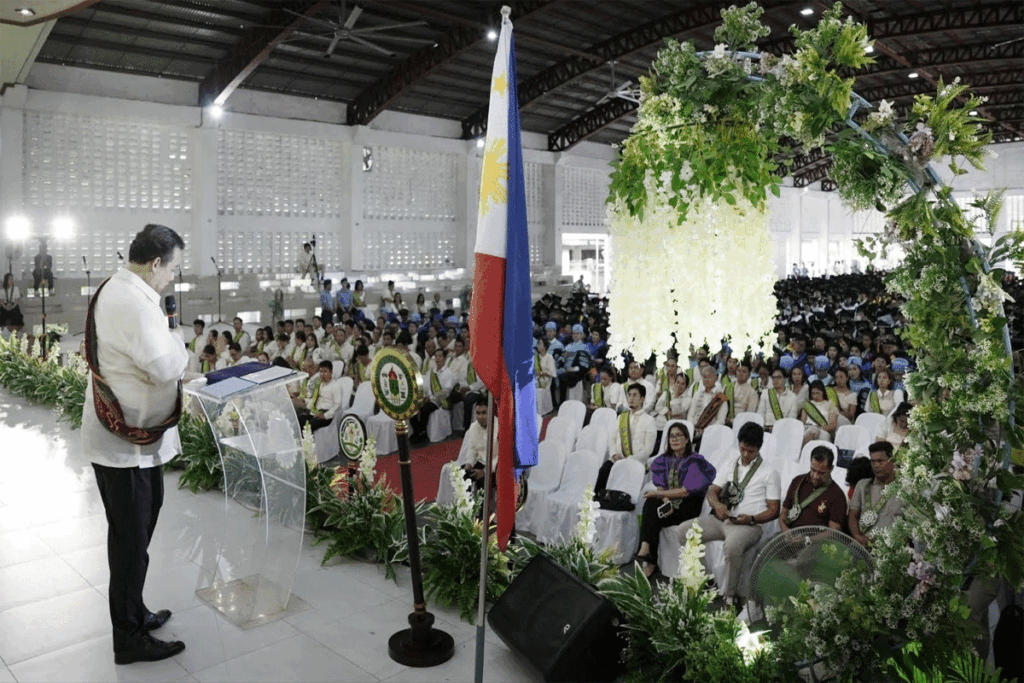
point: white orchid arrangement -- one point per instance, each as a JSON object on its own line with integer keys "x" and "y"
{"x": 585, "y": 529}
{"x": 309, "y": 446}
{"x": 368, "y": 460}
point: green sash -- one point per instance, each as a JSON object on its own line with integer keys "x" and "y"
{"x": 815, "y": 414}
{"x": 259, "y": 347}
{"x": 301, "y": 357}
{"x": 316, "y": 396}
{"x": 773, "y": 401}
{"x": 204, "y": 366}
{"x": 470, "y": 374}
{"x": 869, "y": 515}
{"x": 192, "y": 344}
{"x": 874, "y": 403}
{"x": 739, "y": 488}
{"x": 435, "y": 389}
{"x": 624, "y": 437}
{"x": 542, "y": 382}
{"x": 302, "y": 388}
{"x": 730, "y": 396}
{"x": 597, "y": 395}
{"x": 830, "y": 394}
{"x": 662, "y": 381}
{"x": 794, "y": 512}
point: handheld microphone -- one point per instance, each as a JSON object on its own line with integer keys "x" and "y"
{"x": 172, "y": 308}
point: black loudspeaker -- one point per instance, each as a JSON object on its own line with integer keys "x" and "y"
{"x": 564, "y": 627}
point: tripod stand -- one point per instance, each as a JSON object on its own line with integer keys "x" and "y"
{"x": 220, "y": 318}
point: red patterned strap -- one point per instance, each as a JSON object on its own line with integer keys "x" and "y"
{"x": 108, "y": 408}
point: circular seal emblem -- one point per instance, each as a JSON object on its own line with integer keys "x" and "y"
{"x": 396, "y": 384}
{"x": 351, "y": 436}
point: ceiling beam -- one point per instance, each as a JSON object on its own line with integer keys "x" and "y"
{"x": 252, "y": 49}
{"x": 128, "y": 49}
{"x": 375, "y": 99}
{"x": 617, "y": 46}
{"x": 148, "y": 34}
{"x": 582, "y": 127}
{"x": 978, "y": 16}
{"x": 122, "y": 11}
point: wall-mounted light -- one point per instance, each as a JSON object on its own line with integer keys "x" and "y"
{"x": 479, "y": 143}
{"x": 18, "y": 228}
{"x": 26, "y": 11}
{"x": 63, "y": 229}
{"x": 216, "y": 111}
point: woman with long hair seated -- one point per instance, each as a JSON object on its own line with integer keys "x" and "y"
{"x": 819, "y": 414}
{"x": 885, "y": 399}
{"x": 896, "y": 428}
{"x": 682, "y": 477}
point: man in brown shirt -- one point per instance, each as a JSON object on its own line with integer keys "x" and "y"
{"x": 813, "y": 498}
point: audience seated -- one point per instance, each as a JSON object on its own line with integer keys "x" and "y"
{"x": 324, "y": 399}
{"x": 872, "y": 506}
{"x": 635, "y": 435}
{"x": 813, "y": 498}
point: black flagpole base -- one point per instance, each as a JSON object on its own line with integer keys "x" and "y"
{"x": 422, "y": 645}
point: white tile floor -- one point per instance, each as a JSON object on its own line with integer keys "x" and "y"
{"x": 54, "y": 622}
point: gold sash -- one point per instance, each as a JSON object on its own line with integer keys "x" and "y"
{"x": 625, "y": 438}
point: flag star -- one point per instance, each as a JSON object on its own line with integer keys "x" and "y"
{"x": 500, "y": 84}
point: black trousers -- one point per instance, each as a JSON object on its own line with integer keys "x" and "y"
{"x": 468, "y": 406}
{"x": 419, "y": 421}
{"x": 651, "y": 524}
{"x": 132, "y": 497}
{"x": 305, "y": 416}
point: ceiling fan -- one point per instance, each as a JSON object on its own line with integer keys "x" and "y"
{"x": 344, "y": 30}
{"x": 623, "y": 91}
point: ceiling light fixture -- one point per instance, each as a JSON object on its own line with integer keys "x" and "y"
{"x": 216, "y": 110}
{"x": 807, "y": 11}
{"x": 913, "y": 74}
{"x": 973, "y": 112}
{"x": 479, "y": 143}
{"x": 26, "y": 11}
{"x": 869, "y": 49}
{"x": 492, "y": 35}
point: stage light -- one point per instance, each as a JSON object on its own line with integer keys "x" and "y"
{"x": 492, "y": 35}
{"x": 216, "y": 110}
{"x": 18, "y": 228}
{"x": 807, "y": 11}
{"x": 63, "y": 229}
{"x": 913, "y": 74}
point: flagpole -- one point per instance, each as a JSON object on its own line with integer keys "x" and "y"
{"x": 478, "y": 676}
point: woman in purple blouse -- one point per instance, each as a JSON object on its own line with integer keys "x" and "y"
{"x": 682, "y": 478}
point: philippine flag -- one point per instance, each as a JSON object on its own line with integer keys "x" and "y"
{"x": 500, "y": 323}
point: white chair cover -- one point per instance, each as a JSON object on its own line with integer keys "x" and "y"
{"x": 326, "y": 438}
{"x": 619, "y": 530}
{"x": 338, "y": 370}
{"x": 544, "y": 403}
{"x": 346, "y": 391}
{"x": 561, "y": 508}
{"x": 439, "y": 425}
{"x": 789, "y": 435}
{"x": 607, "y": 418}
{"x": 871, "y": 422}
{"x": 594, "y": 438}
{"x": 362, "y": 405}
{"x": 382, "y": 428}
{"x": 770, "y": 450}
{"x": 576, "y": 411}
{"x": 445, "y": 495}
{"x": 743, "y": 418}
{"x": 575, "y": 393}
{"x": 544, "y": 478}
{"x": 804, "y": 463}
{"x": 716, "y": 438}
{"x": 560, "y": 428}
{"x": 852, "y": 437}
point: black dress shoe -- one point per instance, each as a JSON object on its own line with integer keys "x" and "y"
{"x": 154, "y": 621}
{"x": 148, "y": 649}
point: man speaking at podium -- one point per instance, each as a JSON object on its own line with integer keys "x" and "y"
{"x": 132, "y": 404}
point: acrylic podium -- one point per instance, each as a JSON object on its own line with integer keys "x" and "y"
{"x": 250, "y": 568}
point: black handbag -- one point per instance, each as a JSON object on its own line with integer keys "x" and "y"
{"x": 610, "y": 499}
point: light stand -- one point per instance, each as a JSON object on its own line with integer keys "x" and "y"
{"x": 220, "y": 319}
{"x": 181, "y": 296}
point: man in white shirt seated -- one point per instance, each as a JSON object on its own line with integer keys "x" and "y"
{"x": 744, "y": 399}
{"x": 635, "y": 373}
{"x": 324, "y": 401}
{"x": 708, "y": 406}
{"x": 318, "y": 329}
{"x": 777, "y": 401}
{"x": 636, "y": 434}
{"x": 205, "y": 362}
{"x": 241, "y": 337}
{"x": 472, "y": 455}
{"x": 746, "y": 495}
{"x": 235, "y": 357}
{"x": 468, "y": 385}
{"x": 439, "y": 383}
{"x": 302, "y": 390}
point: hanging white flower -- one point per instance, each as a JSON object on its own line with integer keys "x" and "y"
{"x": 585, "y": 528}
{"x": 751, "y": 643}
{"x": 461, "y": 491}
{"x": 692, "y": 574}
{"x": 309, "y": 446}
{"x": 368, "y": 459}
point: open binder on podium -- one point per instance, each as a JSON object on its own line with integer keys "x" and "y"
{"x": 249, "y": 569}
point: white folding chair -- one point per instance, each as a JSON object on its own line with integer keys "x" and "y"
{"x": 619, "y": 530}
{"x": 576, "y": 411}
{"x": 770, "y": 449}
{"x": 544, "y": 403}
{"x": 789, "y": 435}
{"x": 439, "y": 425}
{"x": 362, "y": 404}
{"x": 560, "y": 429}
{"x": 561, "y": 507}
{"x": 716, "y": 438}
{"x": 338, "y": 370}
{"x": 804, "y": 463}
{"x": 606, "y": 417}
{"x": 870, "y": 422}
{"x": 381, "y": 429}
{"x": 346, "y": 390}
{"x": 594, "y": 438}
{"x": 544, "y": 478}
{"x": 743, "y": 418}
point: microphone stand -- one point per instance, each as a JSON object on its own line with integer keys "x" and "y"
{"x": 88, "y": 279}
{"x": 219, "y": 318}
{"x": 181, "y": 289}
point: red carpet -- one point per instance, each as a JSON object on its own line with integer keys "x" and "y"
{"x": 426, "y": 468}
{"x": 427, "y": 462}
